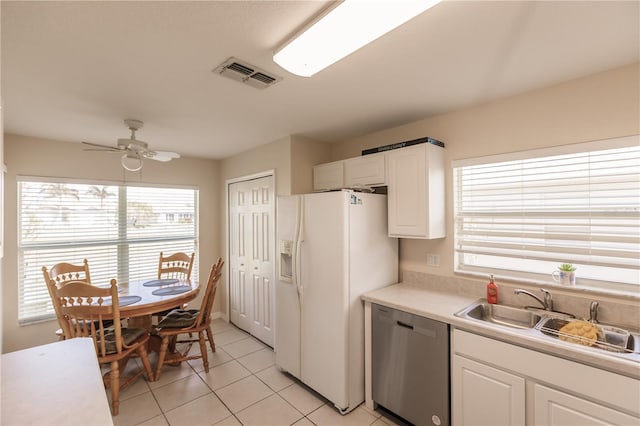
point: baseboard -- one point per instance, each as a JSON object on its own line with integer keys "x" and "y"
{"x": 216, "y": 315}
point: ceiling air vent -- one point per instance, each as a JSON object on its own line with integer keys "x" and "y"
{"x": 246, "y": 73}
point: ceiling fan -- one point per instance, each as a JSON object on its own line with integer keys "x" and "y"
{"x": 133, "y": 150}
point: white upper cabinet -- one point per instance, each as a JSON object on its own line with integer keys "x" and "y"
{"x": 368, "y": 170}
{"x": 415, "y": 181}
{"x": 328, "y": 176}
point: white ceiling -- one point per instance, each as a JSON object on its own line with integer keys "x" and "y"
{"x": 73, "y": 71}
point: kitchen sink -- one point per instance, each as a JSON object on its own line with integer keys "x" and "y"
{"x": 616, "y": 340}
{"x": 509, "y": 316}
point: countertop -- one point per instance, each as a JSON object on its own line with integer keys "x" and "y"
{"x": 55, "y": 384}
{"x": 441, "y": 306}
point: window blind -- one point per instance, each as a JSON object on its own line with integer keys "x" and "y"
{"x": 525, "y": 216}
{"x": 119, "y": 229}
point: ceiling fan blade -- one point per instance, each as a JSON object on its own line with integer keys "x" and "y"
{"x": 161, "y": 155}
{"x": 103, "y": 147}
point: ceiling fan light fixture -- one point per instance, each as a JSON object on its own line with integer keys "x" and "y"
{"x": 342, "y": 30}
{"x": 131, "y": 161}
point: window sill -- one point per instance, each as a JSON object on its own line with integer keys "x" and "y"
{"x": 619, "y": 294}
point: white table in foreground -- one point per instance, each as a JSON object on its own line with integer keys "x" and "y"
{"x": 55, "y": 384}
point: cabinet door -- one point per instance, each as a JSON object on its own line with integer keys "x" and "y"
{"x": 484, "y": 395}
{"x": 368, "y": 170}
{"x": 554, "y": 407}
{"x": 407, "y": 192}
{"x": 328, "y": 176}
{"x": 415, "y": 187}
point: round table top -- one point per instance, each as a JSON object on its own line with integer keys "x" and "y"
{"x": 150, "y": 303}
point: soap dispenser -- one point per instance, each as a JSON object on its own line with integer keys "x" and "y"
{"x": 492, "y": 291}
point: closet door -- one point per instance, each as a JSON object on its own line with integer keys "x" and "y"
{"x": 251, "y": 234}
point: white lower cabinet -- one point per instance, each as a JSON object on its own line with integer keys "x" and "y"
{"x": 557, "y": 408}
{"x": 483, "y": 395}
{"x": 497, "y": 383}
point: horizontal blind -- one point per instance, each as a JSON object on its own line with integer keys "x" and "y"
{"x": 529, "y": 215}
{"x": 120, "y": 230}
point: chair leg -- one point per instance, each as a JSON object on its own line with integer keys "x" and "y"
{"x": 144, "y": 356}
{"x": 210, "y": 338}
{"x": 161, "y": 356}
{"x": 114, "y": 376}
{"x": 203, "y": 351}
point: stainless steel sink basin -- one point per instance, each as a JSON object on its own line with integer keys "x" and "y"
{"x": 610, "y": 338}
{"x": 509, "y": 316}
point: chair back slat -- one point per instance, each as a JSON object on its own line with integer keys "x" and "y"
{"x": 177, "y": 265}
{"x": 62, "y": 273}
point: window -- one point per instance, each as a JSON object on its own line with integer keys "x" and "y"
{"x": 520, "y": 215}
{"x": 119, "y": 229}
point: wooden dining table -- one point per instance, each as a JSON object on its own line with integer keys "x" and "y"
{"x": 140, "y": 299}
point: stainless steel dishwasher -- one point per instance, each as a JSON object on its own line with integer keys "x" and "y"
{"x": 410, "y": 366}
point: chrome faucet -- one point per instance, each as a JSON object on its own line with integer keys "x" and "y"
{"x": 593, "y": 312}
{"x": 547, "y": 302}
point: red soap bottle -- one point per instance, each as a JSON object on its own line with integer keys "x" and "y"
{"x": 492, "y": 291}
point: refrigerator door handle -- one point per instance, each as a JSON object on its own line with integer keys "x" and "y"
{"x": 298, "y": 243}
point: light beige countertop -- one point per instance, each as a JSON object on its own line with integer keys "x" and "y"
{"x": 441, "y": 305}
{"x": 55, "y": 384}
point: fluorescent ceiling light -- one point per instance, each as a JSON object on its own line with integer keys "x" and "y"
{"x": 344, "y": 29}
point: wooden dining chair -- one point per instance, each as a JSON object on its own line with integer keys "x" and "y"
{"x": 84, "y": 309}
{"x": 182, "y": 321}
{"x": 178, "y": 265}
{"x": 63, "y": 273}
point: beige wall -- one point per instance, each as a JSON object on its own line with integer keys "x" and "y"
{"x": 306, "y": 153}
{"x": 596, "y": 107}
{"x": 39, "y": 157}
{"x": 272, "y": 156}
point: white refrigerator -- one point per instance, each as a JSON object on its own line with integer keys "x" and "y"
{"x": 333, "y": 247}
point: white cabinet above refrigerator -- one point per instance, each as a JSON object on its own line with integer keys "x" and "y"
{"x": 328, "y": 176}
{"x": 415, "y": 177}
{"x": 365, "y": 171}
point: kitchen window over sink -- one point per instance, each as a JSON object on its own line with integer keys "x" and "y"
{"x": 522, "y": 214}
{"x": 119, "y": 229}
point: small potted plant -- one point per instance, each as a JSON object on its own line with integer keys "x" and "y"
{"x": 567, "y": 267}
{"x": 565, "y": 275}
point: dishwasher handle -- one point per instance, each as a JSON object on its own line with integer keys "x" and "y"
{"x": 404, "y": 324}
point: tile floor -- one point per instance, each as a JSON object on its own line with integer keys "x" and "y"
{"x": 243, "y": 387}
